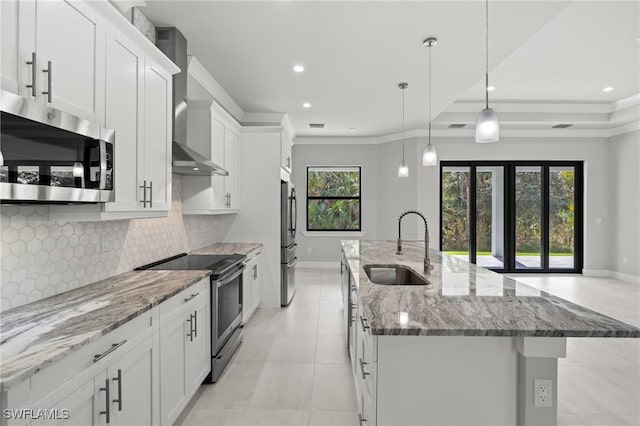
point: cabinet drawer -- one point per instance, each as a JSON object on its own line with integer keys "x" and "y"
{"x": 109, "y": 345}
{"x": 187, "y": 295}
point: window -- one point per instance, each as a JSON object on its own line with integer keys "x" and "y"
{"x": 333, "y": 199}
{"x": 514, "y": 216}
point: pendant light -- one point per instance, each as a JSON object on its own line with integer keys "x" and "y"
{"x": 403, "y": 168}
{"x": 487, "y": 128}
{"x": 429, "y": 155}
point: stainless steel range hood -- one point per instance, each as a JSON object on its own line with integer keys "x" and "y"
{"x": 186, "y": 161}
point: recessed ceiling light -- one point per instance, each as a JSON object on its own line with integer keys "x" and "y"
{"x": 306, "y": 105}
{"x": 298, "y": 68}
{"x": 607, "y": 89}
{"x": 353, "y": 129}
{"x": 491, "y": 88}
{"x": 196, "y": 169}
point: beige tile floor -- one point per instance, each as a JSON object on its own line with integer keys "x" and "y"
{"x": 293, "y": 368}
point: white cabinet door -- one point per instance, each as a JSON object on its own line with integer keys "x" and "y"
{"x": 199, "y": 348}
{"x": 231, "y": 163}
{"x": 256, "y": 284}
{"x": 85, "y": 405}
{"x": 157, "y": 136}
{"x": 131, "y": 386}
{"x": 247, "y": 289}
{"x": 70, "y": 35}
{"x": 173, "y": 374}
{"x": 124, "y": 113}
{"x": 218, "y": 145}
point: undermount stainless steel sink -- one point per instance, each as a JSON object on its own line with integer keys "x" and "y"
{"x": 393, "y": 275}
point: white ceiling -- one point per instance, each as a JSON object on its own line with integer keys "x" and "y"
{"x": 355, "y": 54}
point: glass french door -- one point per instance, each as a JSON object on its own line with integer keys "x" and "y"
{"x": 513, "y": 216}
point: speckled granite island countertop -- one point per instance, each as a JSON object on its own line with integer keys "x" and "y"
{"x": 34, "y": 336}
{"x": 228, "y": 248}
{"x": 465, "y": 300}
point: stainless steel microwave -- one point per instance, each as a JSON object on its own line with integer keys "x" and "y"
{"x": 49, "y": 156}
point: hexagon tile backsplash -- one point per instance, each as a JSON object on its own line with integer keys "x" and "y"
{"x": 41, "y": 258}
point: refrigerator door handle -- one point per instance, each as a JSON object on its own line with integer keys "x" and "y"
{"x": 294, "y": 211}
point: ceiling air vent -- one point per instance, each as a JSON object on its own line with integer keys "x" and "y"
{"x": 316, "y": 125}
{"x": 457, "y": 125}
{"x": 561, "y": 126}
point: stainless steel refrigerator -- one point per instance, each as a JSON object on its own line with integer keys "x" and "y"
{"x": 288, "y": 245}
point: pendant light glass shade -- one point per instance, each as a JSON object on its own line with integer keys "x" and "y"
{"x": 429, "y": 156}
{"x": 487, "y": 127}
{"x": 403, "y": 168}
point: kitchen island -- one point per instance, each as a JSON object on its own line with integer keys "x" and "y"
{"x": 469, "y": 348}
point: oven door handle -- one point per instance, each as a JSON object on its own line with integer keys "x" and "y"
{"x": 221, "y": 282}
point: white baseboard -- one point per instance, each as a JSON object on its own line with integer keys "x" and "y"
{"x": 605, "y": 273}
{"x": 321, "y": 265}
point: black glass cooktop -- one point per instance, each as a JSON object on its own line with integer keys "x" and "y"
{"x": 218, "y": 263}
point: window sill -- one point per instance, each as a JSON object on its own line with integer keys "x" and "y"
{"x": 334, "y": 233}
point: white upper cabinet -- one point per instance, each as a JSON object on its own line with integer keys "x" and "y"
{"x": 285, "y": 152}
{"x": 53, "y": 52}
{"x": 214, "y": 134}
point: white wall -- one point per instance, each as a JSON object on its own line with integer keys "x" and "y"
{"x": 393, "y": 196}
{"x": 624, "y": 184}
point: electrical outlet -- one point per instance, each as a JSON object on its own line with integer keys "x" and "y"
{"x": 105, "y": 244}
{"x": 543, "y": 393}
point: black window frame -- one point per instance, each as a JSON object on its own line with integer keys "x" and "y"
{"x": 509, "y": 168}
{"x": 359, "y": 198}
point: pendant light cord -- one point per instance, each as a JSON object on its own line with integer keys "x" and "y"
{"x": 403, "y": 123}
{"x": 429, "y": 112}
{"x": 486, "y": 69}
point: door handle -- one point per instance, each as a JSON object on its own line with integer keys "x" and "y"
{"x": 150, "y": 194}
{"x": 107, "y": 411}
{"x": 49, "y": 72}
{"x": 364, "y": 373}
{"x": 144, "y": 194}
{"x": 195, "y": 323}
{"x": 363, "y": 320}
{"x": 361, "y": 419}
{"x": 190, "y": 333}
{"x": 34, "y": 72}
{"x": 113, "y": 347}
{"x": 119, "y": 380}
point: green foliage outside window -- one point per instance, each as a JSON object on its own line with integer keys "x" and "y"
{"x": 333, "y": 198}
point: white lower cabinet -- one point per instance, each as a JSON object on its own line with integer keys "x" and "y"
{"x": 251, "y": 284}
{"x": 364, "y": 366}
{"x": 185, "y": 350}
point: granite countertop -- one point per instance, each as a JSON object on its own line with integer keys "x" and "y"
{"x": 228, "y": 248}
{"x": 465, "y": 300}
{"x": 34, "y": 336}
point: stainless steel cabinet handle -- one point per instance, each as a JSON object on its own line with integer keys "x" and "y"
{"x": 191, "y": 297}
{"x": 151, "y": 194}
{"x": 49, "y": 90}
{"x": 195, "y": 323}
{"x": 190, "y": 333}
{"x": 364, "y": 373}
{"x": 144, "y": 194}
{"x": 361, "y": 419}
{"x": 255, "y": 272}
{"x": 34, "y": 72}
{"x": 363, "y": 320}
{"x": 119, "y": 380}
{"x": 107, "y": 411}
{"x": 113, "y": 347}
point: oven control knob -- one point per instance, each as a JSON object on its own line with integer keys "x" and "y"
{"x": 51, "y": 115}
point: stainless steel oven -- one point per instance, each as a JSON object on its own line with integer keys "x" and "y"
{"x": 50, "y": 156}
{"x": 226, "y": 324}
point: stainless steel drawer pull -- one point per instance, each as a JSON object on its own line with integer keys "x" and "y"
{"x": 34, "y": 72}
{"x": 363, "y": 320}
{"x": 191, "y": 297}
{"x": 364, "y": 373}
{"x": 49, "y": 90}
{"x": 107, "y": 411}
{"x": 361, "y": 419}
{"x": 119, "y": 380}
{"x": 113, "y": 347}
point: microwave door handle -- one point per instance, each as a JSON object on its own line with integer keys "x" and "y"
{"x": 103, "y": 165}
